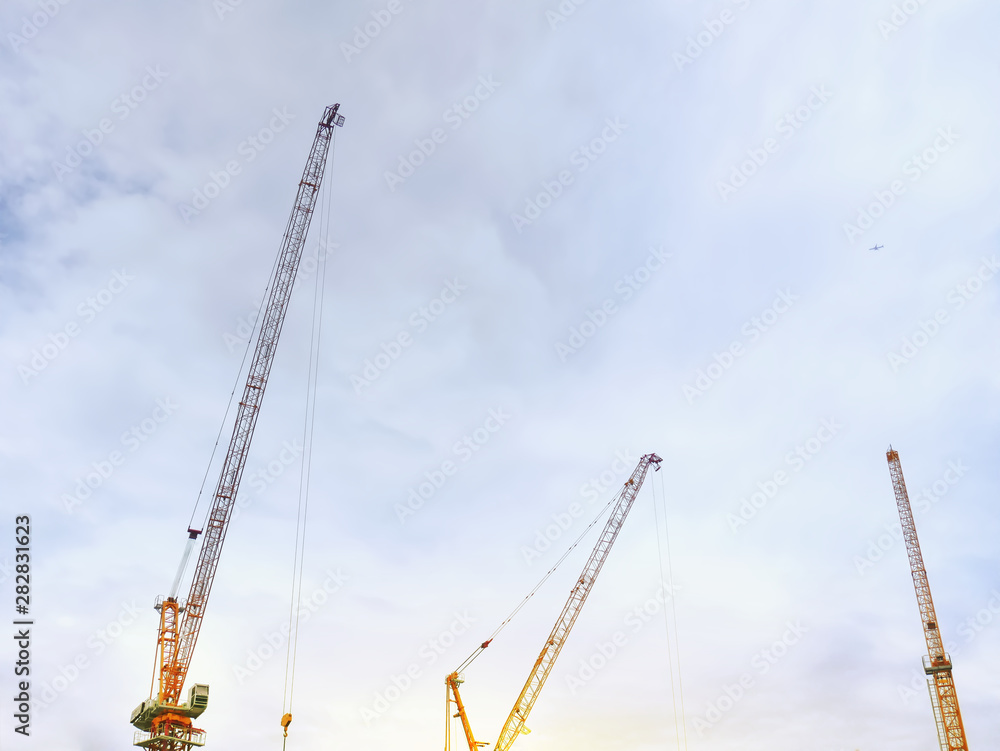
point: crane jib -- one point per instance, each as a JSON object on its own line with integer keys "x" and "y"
{"x": 515, "y": 724}
{"x": 557, "y": 638}
{"x": 165, "y": 724}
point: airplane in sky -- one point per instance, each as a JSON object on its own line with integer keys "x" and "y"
{"x": 877, "y": 247}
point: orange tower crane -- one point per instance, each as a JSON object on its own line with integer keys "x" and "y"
{"x": 515, "y": 724}
{"x": 937, "y": 662}
{"x": 163, "y": 722}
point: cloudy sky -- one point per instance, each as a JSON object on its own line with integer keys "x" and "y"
{"x": 560, "y": 235}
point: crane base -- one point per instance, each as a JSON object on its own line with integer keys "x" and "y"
{"x": 148, "y": 740}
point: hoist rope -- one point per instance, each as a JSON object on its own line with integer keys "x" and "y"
{"x": 469, "y": 660}
{"x": 666, "y": 628}
{"x": 305, "y": 469}
{"x": 240, "y": 378}
{"x": 673, "y": 653}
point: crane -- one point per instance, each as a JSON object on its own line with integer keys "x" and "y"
{"x": 937, "y": 662}
{"x": 163, "y": 722}
{"x": 515, "y": 724}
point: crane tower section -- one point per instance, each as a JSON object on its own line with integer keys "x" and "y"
{"x": 937, "y": 663}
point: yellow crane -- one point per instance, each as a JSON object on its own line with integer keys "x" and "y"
{"x": 937, "y": 663}
{"x": 515, "y": 724}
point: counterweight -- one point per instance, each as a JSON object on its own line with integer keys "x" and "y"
{"x": 164, "y": 723}
{"x": 937, "y": 664}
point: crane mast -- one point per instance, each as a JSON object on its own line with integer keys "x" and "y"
{"x": 163, "y": 722}
{"x": 451, "y": 685}
{"x": 515, "y": 724}
{"x": 937, "y": 663}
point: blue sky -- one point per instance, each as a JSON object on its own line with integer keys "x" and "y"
{"x": 603, "y": 231}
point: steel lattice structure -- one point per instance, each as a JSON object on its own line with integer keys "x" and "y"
{"x": 571, "y": 610}
{"x": 164, "y": 723}
{"x": 514, "y": 725}
{"x": 937, "y": 663}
